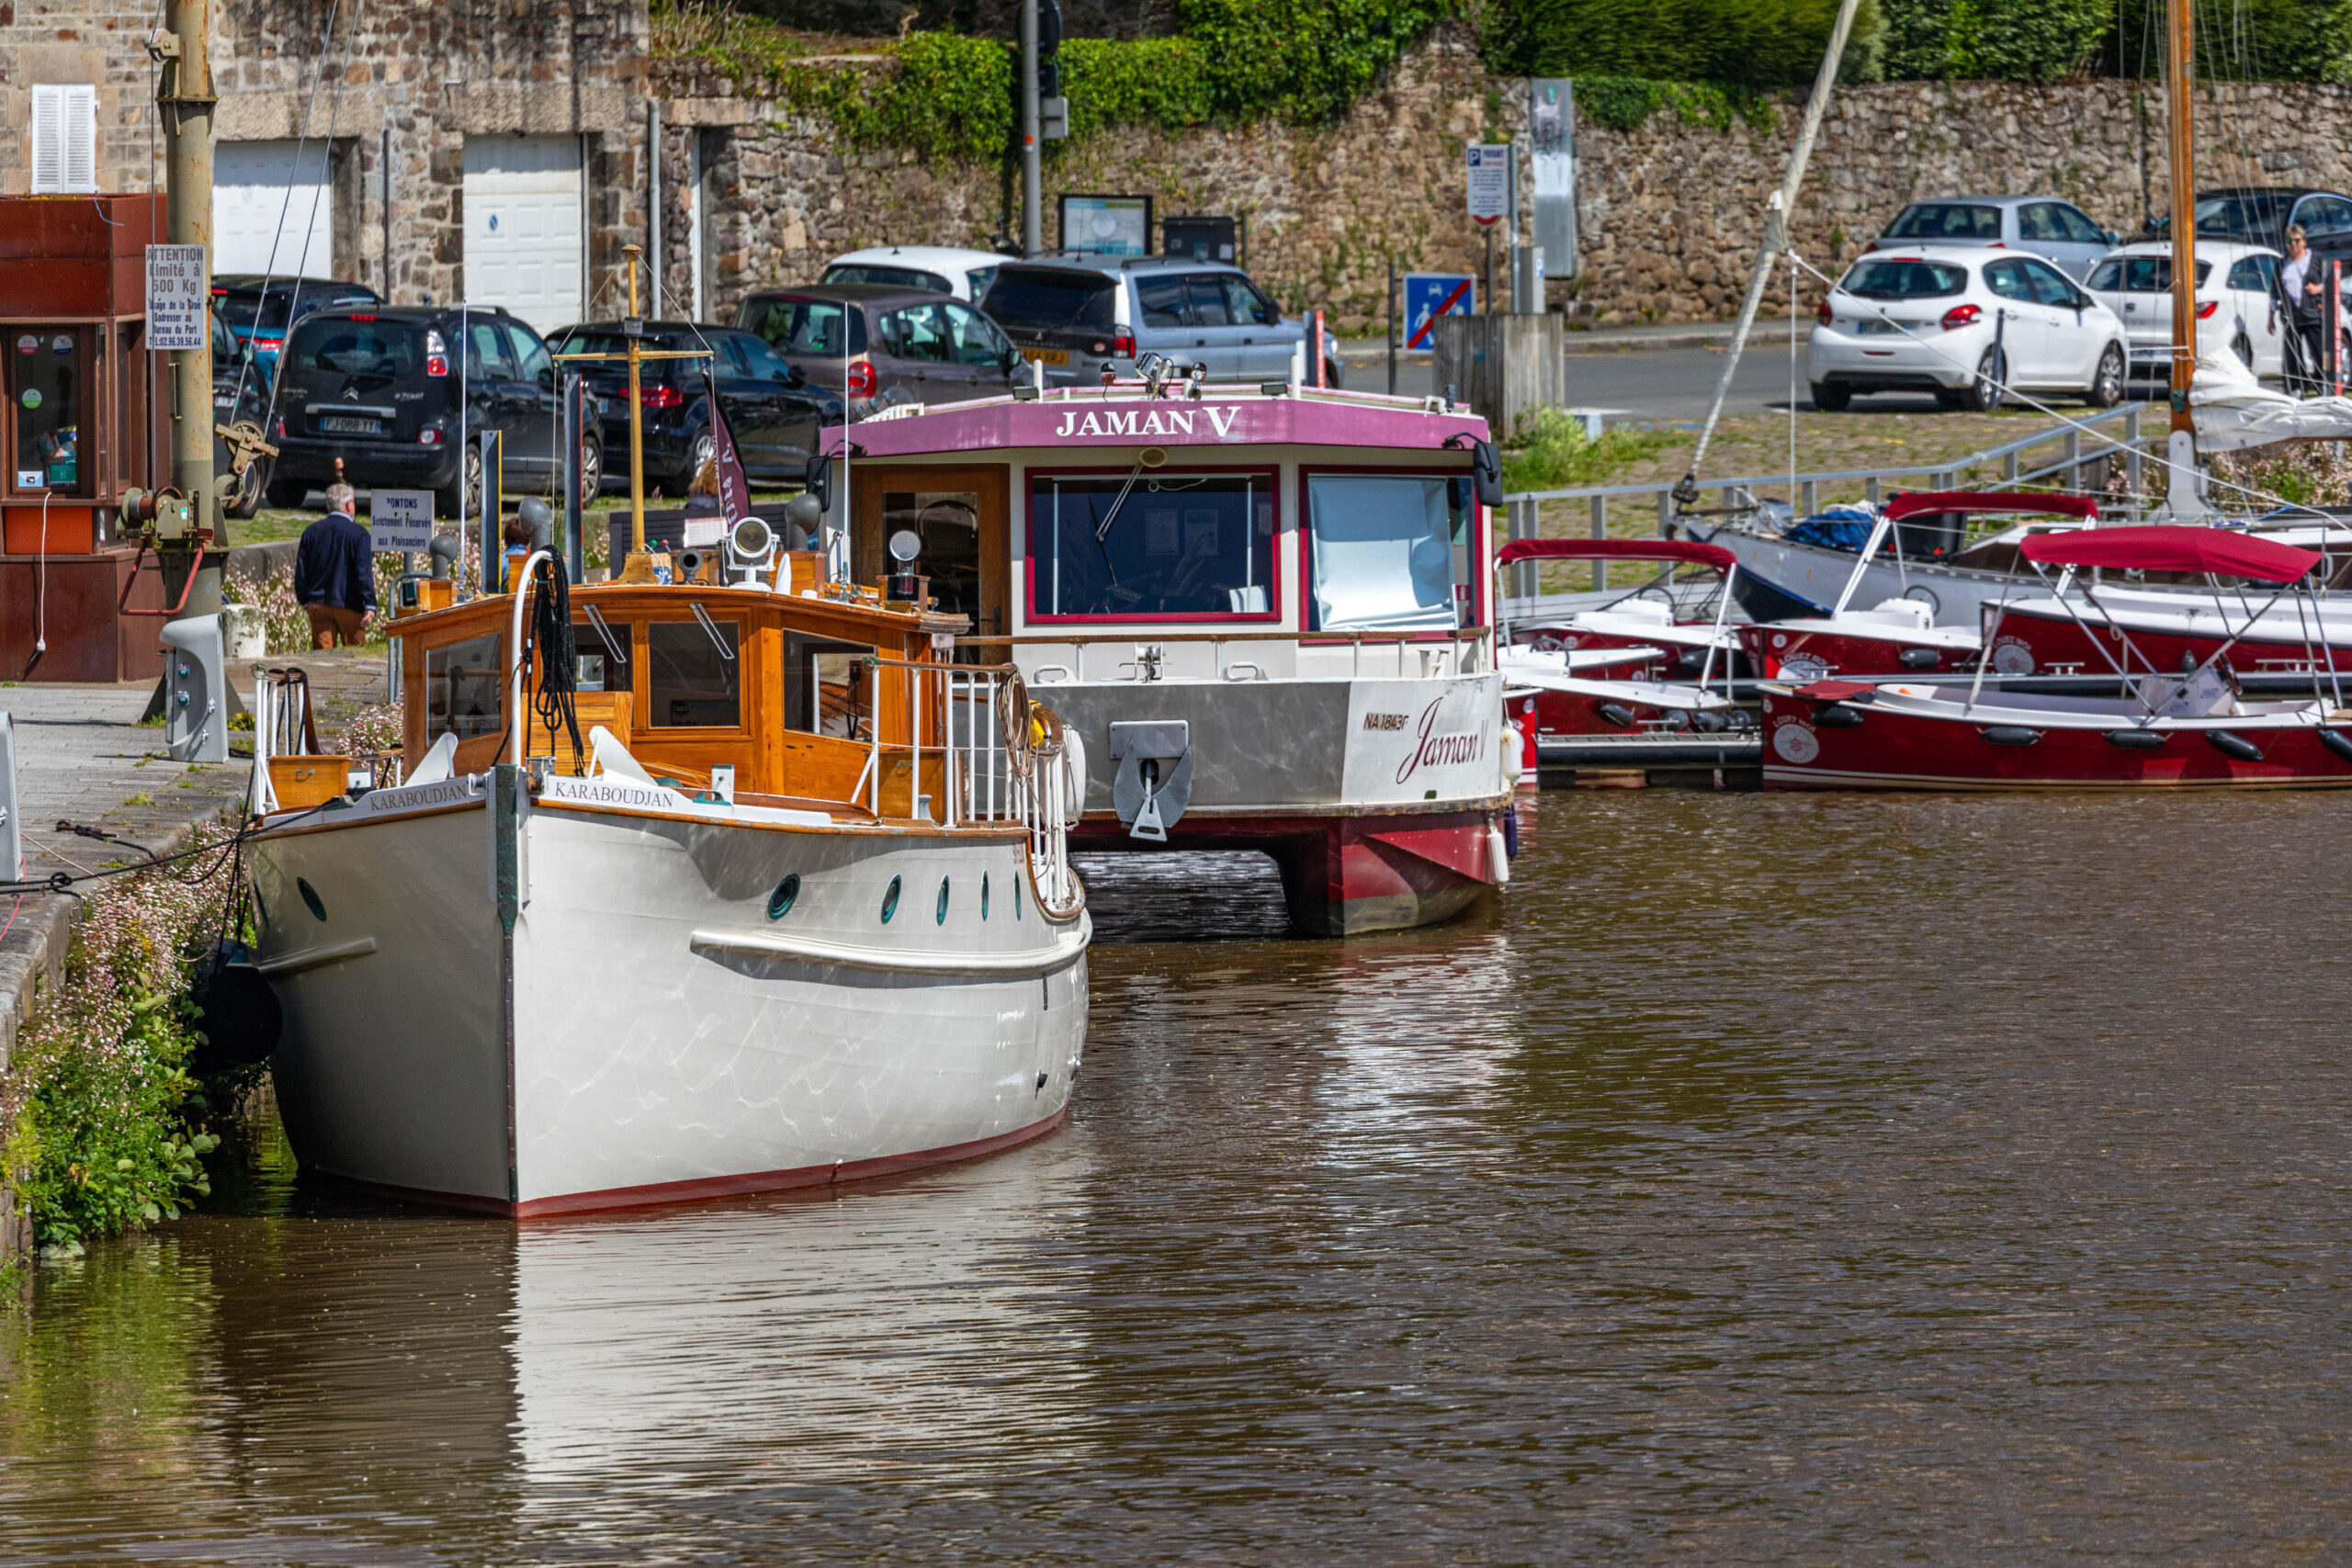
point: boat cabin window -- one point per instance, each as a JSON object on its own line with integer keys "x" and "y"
{"x": 601, "y": 656}
{"x": 1390, "y": 551}
{"x": 948, "y": 524}
{"x": 463, "y": 687}
{"x": 693, "y": 679}
{"x": 825, "y": 687}
{"x": 1178, "y": 543}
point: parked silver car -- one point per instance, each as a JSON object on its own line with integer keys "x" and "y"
{"x": 2043, "y": 225}
{"x": 1077, "y": 311}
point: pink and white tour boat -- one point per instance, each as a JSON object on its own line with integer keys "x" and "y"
{"x": 2187, "y": 729}
{"x": 1264, "y": 611}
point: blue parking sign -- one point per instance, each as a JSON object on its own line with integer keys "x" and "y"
{"x": 1428, "y": 295}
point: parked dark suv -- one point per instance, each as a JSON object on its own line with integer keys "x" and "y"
{"x": 774, "y": 414}
{"x": 884, "y": 343}
{"x": 380, "y": 389}
{"x": 259, "y": 310}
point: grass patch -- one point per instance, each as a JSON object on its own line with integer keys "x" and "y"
{"x": 1553, "y": 452}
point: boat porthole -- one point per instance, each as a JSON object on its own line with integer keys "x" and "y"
{"x": 780, "y": 901}
{"x": 311, "y": 896}
{"x": 939, "y": 915}
{"x": 889, "y": 900}
{"x": 984, "y": 895}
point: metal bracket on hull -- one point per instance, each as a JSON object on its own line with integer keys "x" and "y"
{"x": 1151, "y": 779}
{"x": 286, "y": 964}
{"x": 1068, "y": 949}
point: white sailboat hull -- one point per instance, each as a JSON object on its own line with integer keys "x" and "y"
{"x": 647, "y": 1033}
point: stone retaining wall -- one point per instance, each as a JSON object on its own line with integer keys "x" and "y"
{"x": 1669, "y": 214}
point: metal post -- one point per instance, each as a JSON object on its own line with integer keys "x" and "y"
{"x": 2131, "y": 454}
{"x": 575, "y": 519}
{"x": 1600, "y": 531}
{"x": 1033, "y": 175}
{"x": 1666, "y": 514}
{"x": 2074, "y": 458}
{"x": 1392, "y": 326}
{"x": 1510, "y": 216}
{"x": 1870, "y": 490}
{"x": 653, "y": 195}
{"x": 384, "y": 180}
{"x": 186, "y": 101}
{"x": 1810, "y": 492}
{"x": 2180, "y": 72}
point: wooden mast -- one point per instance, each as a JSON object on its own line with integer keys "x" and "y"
{"x": 2181, "y": 57}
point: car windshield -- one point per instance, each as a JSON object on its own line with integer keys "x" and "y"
{"x": 2247, "y": 215}
{"x": 893, "y": 276}
{"x": 2140, "y": 274}
{"x": 1036, "y": 299}
{"x": 1905, "y": 279}
{"x": 1946, "y": 220}
{"x": 253, "y": 310}
{"x": 804, "y": 326}
{"x": 358, "y": 348}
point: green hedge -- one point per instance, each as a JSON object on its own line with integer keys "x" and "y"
{"x": 1751, "y": 44}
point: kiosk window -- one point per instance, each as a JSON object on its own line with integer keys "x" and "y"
{"x": 45, "y": 381}
{"x": 462, "y": 685}
{"x": 694, "y": 683}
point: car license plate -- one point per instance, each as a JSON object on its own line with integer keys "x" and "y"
{"x": 1869, "y": 326}
{"x": 349, "y": 424}
{"x": 1046, "y": 356}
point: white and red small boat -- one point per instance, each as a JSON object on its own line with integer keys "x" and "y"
{"x": 2185, "y": 731}
{"x": 1899, "y": 636}
{"x": 1590, "y": 674}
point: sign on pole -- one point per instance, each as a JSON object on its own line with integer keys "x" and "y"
{"x": 1552, "y": 129}
{"x": 176, "y": 296}
{"x": 400, "y": 519}
{"x": 1428, "y": 295}
{"x": 1489, "y": 172}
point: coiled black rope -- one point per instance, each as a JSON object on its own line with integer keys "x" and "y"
{"x": 555, "y": 670}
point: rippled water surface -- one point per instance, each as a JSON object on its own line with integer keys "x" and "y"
{"x": 1760, "y": 1179}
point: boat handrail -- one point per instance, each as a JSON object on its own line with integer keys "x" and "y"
{"x": 1355, "y": 641}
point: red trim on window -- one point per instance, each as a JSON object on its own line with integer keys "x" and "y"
{"x": 1275, "y": 586}
{"x": 1482, "y": 560}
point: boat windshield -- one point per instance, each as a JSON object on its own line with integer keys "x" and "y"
{"x": 1199, "y": 546}
{"x": 1391, "y": 551}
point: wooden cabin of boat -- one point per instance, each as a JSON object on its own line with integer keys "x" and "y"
{"x": 824, "y": 696}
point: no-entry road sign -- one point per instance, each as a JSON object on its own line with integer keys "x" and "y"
{"x": 1428, "y": 295}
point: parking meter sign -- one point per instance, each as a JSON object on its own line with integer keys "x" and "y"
{"x": 400, "y": 519}
{"x": 1428, "y": 295}
{"x": 1489, "y": 174}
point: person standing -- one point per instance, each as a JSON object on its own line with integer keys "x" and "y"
{"x": 2300, "y": 282}
{"x": 334, "y": 573}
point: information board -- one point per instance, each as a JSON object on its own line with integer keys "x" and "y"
{"x": 1428, "y": 295}
{"x": 400, "y": 519}
{"x": 1107, "y": 225}
{"x": 176, "y": 296}
{"x": 1490, "y": 171}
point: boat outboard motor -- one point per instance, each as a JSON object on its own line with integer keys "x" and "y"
{"x": 1151, "y": 776}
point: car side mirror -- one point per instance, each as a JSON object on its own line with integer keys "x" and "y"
{"x": 2112, "y": 237}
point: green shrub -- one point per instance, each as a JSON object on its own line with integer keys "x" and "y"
{"x": 1551, "y": 451}
{"x": 1751, "y": 44}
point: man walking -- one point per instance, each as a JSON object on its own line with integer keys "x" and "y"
{"x": 334, "y": 573}
{"x": 2301, "y": 283}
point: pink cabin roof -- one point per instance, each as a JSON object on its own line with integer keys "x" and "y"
{"x": 1084, "y": 418}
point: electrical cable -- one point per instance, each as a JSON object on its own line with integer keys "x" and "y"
{"x": 555, "y": 662}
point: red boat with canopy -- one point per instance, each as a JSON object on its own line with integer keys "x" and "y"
{"x": 2191, "y": 729}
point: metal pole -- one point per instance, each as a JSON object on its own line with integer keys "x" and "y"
{"x": 1510, "y": 216}
{"x": 186, "y": 101}
{"x": 2181, "y": 57}
{"x": 384, "y": 180}
{"x": 1776, "y": 236}
{"x": 1392, "y": 326}
{"x": 653, "y": 195}
{"x": 1033, "y": 175}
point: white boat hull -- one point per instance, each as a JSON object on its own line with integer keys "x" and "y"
{"x": 647, "y": 1033}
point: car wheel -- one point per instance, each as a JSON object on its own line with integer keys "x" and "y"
{"x": 452, "y": 501}
{"x": 1992, "y": 374}
{"x": 1951, "y": 397}
{"x": 287, "y": 494}
{"x": 1829, "y": 396}
{"x": 592, "y": 473}
{"x": 680, "y": 485}
{"x": 253, "y": 485}
{"x": 2243, "y": 349}
{"x": 2106, "y": 390}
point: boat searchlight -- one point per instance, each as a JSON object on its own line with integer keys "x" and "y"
{"x": 905, "y": 545}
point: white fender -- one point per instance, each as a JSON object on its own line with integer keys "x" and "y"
{"x": 1514, "y": 758}
{"x": 1497, "y": 855}
{"x": 1073, "y": 776}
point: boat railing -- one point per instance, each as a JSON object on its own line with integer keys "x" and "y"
{"x": 2082, "y": 452}
{"x": 1418, "y": 654}
{"x": 998, "y": 759}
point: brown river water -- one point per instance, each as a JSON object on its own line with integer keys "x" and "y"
{"x": 1761, "y": 1179}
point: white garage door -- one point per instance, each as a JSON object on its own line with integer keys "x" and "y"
{"x": 268, "y": 215}
{"x": 523, "y": 217}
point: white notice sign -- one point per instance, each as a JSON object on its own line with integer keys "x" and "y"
{"x": 400, "y": 519}
{"x": 176, "y": 296}
{"x": 1489, "y": 183}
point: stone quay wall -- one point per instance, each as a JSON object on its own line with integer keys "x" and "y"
{"x": 1669, "y": 214}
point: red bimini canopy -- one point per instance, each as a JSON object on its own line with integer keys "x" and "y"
{"x": 1616, "y": 550}
{"x": 2173, "y": 547}
{"x": 1911, "y": 505}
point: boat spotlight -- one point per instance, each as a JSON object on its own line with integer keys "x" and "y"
{"x": 751, "y": 551}
{"x": 905, "y": 545}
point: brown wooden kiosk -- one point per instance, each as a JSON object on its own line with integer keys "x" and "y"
{"x": 89, "y": 416}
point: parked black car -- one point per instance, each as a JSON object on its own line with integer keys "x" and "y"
{"x": 2259, "y": 215}
{"x": 259, "y": 311}
{"x": 381, "y": 390}
{"x": 882, "y": 344}
{"x": 240, "y": 391}
{"x": 774, "y": 414}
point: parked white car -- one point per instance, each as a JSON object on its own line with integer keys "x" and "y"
{"x": 2237, "y": 290}
{"x": 1963, "y": 325}
{"x": 939, "y": 268}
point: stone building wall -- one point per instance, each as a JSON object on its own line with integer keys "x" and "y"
{"x": 1669, "y": 215}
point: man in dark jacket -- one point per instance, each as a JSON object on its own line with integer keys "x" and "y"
{"x": 334, "y": 573}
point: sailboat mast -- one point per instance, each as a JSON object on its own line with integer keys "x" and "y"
{"x": 2181, "y": 59}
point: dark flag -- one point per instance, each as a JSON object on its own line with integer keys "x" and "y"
{"x": 734, "y": 489}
